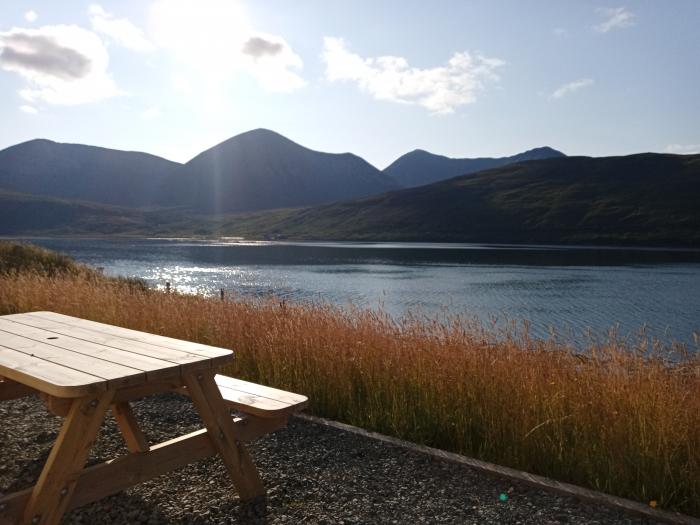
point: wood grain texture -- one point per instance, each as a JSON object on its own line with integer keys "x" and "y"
{"x": 182, "y": 358}
{"x": 259, "y": 400}
{"x": 212, "y": 409}
{"x": 54, "y": 488}
{"x": 68, "y": 357}
{"x": 133, "y": 435}
{"x": 58, "y": 406}
{"x": 217, "y": 355}
{"x": 154, "y": 368}
{"x": 47, "y": 376}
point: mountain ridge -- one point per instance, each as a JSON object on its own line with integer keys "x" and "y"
{"x": 268, "y": 170}
{"x": 81, "y": 172}
{"x": 641, "y": 199}
{"x": 258, "y": 169}
{"x": 420, "y": 167}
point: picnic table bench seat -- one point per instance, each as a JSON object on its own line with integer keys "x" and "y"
{"x": 81, "y": 369}
{"x": 260, "y": 410}
{"x": 258, "y": 400}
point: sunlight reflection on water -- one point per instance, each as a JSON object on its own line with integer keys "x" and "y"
{"x": 571, "y": 290}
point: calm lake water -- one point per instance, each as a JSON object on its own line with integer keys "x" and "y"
{"x": 573, "y": 290}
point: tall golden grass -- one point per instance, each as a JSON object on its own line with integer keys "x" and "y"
{"x": 618, "y": 420}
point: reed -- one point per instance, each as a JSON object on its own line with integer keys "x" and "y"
{"x": 620, "y": 418}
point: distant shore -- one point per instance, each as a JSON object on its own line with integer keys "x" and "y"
{"x": 398, "y": 243}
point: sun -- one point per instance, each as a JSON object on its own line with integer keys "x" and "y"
{"x": 207, "y": 35}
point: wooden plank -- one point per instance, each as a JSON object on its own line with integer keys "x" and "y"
{"x": 133, "y": 436}
{"x": 59, "y": 406}
{"x": 12, "y": 390}
{"x": 217, "y": 355}
{"x": 102, "y": 480}
{"x": 155, "y": 369}
{"x": 147, "y": 389}
{"x": 185, "y": 359}
{"x": 268, "y": 392}
{"x": 252, "y": 404}
{"x": 54, "y": 488}
{"x": 268, "y": 400}
{"x": 116, "y": 375}
{"x": 46, "y": 376}
{"x": 212, "y": 409}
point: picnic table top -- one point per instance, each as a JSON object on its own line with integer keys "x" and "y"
{"x": 70, "y": 357}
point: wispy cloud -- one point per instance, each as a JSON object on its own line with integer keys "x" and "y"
{"x": 683, "y": 149}
{"x": 31, "y": 16}
{"x": 571, "y": 87}
{"x": 121, "y": 30}
{"x": 560, "y": 31}
{"x": 439, "y": 89}
{"x": 615, "y": 18}
{"x": 31, "y": 110}
{"x": 61, "y": 64}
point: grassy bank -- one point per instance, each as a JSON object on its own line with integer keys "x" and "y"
{"x": 615, "y": 421}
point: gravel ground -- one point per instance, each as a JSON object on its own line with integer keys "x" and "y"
{"x": 313, "y": 474}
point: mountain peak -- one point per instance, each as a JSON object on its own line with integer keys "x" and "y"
{"x": 260, "y": 133}
{"x": 261, "y": 169}
{"x": 543, "y": 152}
{"x": 420, "y": 167}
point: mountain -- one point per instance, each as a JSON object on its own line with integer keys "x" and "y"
{"x": 644, "y": 199}
{"x": 420, "y": 167}
{"x": 256, "y": 170}
{"x": 262, "y": 169}
{"x": 87, "y": 173}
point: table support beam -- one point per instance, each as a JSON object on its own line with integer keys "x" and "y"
{"x": 215, "y": 415}
{"x": 133, "y": 435}
{"x": 54, "y": 488}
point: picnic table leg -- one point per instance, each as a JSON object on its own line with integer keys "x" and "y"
{"x": 219, "y": 424}
{"x": 131, "y": 432}
{"x": 54, "y": 488}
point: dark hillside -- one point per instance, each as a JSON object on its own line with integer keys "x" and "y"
{"x": 419, "y": 167}
{"x": 638, "y": 199}
{"x": 261, "y": 169}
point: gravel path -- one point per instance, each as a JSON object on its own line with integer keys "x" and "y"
{"x": 314, "y": 474}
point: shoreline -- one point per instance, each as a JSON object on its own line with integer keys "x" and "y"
{"x": 398, "y": 244}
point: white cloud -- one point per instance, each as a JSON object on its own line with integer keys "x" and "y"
{"x": 566, "y": 89}
{"x": 61, "y": 64}
{"x": 151, "y": 113}
{"x": 439, "y": 89}
{"x": 29, "y": 109}
{"x": 683, "y": 149}
{"x": 121, "y": 30}
{"x": 31, "y": 16}
{"x": 615, "y": 18}
{"x": 213, "y": 40}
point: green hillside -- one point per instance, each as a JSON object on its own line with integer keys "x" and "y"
{"x": 637, "y": 199}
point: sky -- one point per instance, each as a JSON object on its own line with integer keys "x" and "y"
{"x": 376, "y": 78}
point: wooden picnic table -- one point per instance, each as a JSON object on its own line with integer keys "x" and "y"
{"x": 81, "y": 368}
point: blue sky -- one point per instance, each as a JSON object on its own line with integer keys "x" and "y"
{"x": 460, "y": 78}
